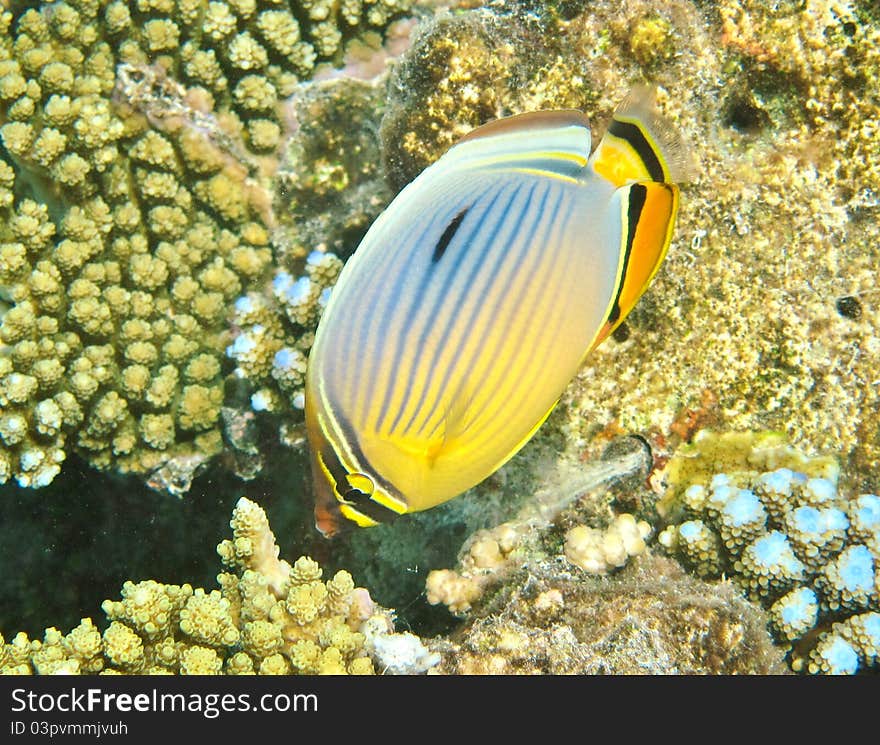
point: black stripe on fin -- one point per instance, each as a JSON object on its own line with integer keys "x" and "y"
{"x": 636, "y": 138}
{"x": 638, "y": 194}
{"x": 448, "y": 235}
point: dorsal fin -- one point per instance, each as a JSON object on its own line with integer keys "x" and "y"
{"x": 549, "y": 143}
{"x": 531, "y": 120}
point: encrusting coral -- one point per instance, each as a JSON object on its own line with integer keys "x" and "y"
{"x": 139, "y": 139}
{"x": 776, "y": 524}
{"x": 268, "y": 617}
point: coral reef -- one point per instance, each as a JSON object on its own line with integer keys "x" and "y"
{"x": 528, "y": 609}
{"x": 650, "y": 618}
{"x": 777, "y": 102}
{"x": 792, "y": 560}
{"x": 139, "y": 141}
{"x": 489, "y": 556}
{"x": 268, "y": 617}
{"x": 792, "y": 541}
{"x": 183, "y": 151}
{"x": 164, "y": 254}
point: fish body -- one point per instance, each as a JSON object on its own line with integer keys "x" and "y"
{"x": 472, "y": 301}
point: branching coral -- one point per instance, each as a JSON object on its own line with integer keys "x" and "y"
{"x": 268, "y": 617}
{"x": 526, "y": 609}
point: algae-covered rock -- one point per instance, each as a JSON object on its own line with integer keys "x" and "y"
{"x": 651, "y": 618}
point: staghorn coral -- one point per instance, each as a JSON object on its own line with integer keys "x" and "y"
{"x": 789, "y": 538}
{"x": 134, "y": 207}
{"x": 268, "y": 618}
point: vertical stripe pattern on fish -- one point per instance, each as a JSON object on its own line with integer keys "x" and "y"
{"x": 473, "y": 299}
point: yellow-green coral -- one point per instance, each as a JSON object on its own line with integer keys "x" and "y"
{"x": 267, "y": 617}
{"x": 137, "y": 124}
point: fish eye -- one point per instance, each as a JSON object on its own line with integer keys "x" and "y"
{"x": 361, "y": 487}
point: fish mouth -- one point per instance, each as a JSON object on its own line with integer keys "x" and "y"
{"x": 329, "y": 520}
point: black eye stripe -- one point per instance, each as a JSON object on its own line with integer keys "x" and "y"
{"x": 356, "y": 496}
{"x": 334, "y": 467}
{"x": 346, "y": 493}
{"x": 374, "y": 510}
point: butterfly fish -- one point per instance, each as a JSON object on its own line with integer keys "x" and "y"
{"x": 473, "y": 299}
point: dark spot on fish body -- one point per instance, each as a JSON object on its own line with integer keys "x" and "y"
{"x": 448, "y": 235}
{"x": 849, "y": 307}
